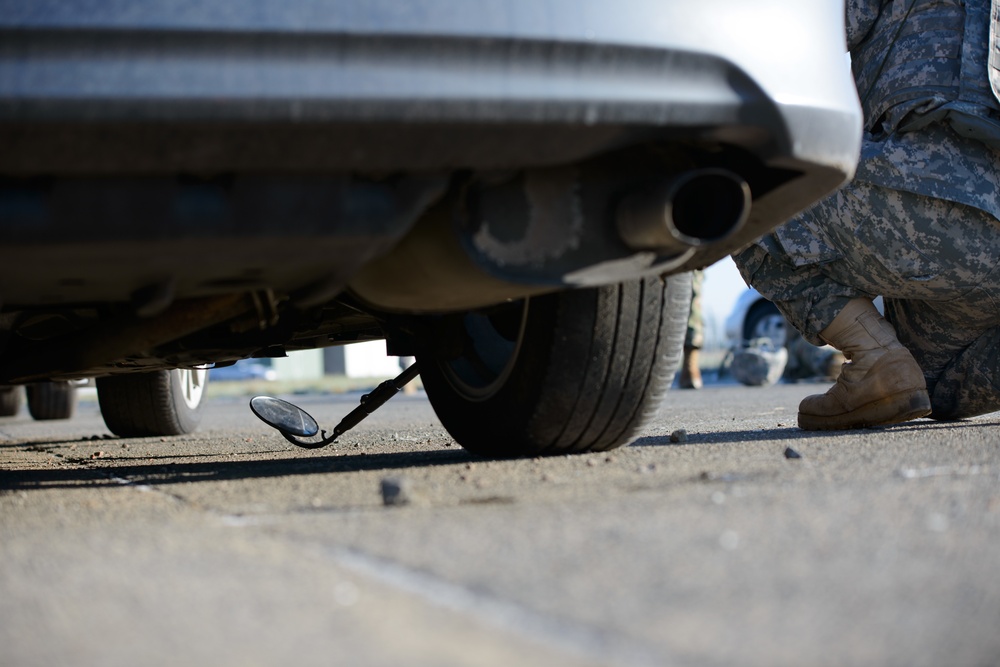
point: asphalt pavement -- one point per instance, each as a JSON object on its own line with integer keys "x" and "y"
{"x": 723, "y": 536}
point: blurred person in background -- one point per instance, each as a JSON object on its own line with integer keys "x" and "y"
{"x": 694, "y": 339}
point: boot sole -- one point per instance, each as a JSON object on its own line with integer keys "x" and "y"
{"x": 894, "y": 409}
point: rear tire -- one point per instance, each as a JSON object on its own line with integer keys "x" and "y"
{"x": 51, "y": 400}
{"x": 577, "y": 371}
{"x": 10, "y": 401}
{"x": 150, "y": 404}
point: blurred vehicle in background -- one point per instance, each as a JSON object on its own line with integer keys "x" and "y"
{"x": 755, "y": 317}
{"x": 755, "y": 324}
{"x": 244, "y": 369}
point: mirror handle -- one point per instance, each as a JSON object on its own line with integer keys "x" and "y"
{"x": 369, "y": 404}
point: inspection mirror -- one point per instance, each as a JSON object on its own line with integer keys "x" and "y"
{"x": 284, "y": 416}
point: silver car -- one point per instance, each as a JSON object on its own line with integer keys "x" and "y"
{"x": 509, "y": 190}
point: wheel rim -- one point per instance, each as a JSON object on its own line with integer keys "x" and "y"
{"x": 493, "y": 342}
{"x": 192, "y": 382}
{"x": 771, "y": 327}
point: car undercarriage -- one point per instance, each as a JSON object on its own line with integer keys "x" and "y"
{"x": 180, "y": 187}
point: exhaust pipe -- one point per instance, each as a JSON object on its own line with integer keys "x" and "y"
{"x": 692, "y": 209}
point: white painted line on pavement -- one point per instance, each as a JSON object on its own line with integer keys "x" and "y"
{"x": 588, "y": 642}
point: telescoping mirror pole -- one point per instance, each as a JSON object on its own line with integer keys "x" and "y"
{"x": 294, "y": 423}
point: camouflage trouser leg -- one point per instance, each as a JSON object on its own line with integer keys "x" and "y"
{"x": 934, "y": 261}
{"x": 695, "y": 337}
{"x": 960, "y": 360}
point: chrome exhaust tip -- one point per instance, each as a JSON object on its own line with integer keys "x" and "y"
{"x": 692, "y": 209}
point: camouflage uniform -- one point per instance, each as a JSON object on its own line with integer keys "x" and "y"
{"x": 919, "y": 224}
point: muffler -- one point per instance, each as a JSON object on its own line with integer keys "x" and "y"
{"x": 692, "y": 209}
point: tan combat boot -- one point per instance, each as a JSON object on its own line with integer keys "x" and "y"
{"x": 690, "y": 371}
{"x": 881, "y": 382}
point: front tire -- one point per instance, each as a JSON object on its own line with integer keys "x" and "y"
{"x": 51, "y": 400}
{"x": 156, "y": 403}
{"x": 576, "y": 371}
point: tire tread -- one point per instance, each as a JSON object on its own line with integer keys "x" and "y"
{"x": 143, "y": 405}
{"x": 51, "y": 400}
{"x": 595, "y": 369}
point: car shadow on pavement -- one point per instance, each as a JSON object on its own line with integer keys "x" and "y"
{"x": 105, "y": 471}
{"x": 719, "y": 437}
{"x": 795, "y": 433}
{"x": 90, "y": 475}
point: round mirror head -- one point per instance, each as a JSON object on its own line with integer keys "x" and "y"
{"x": 284, "y": 416}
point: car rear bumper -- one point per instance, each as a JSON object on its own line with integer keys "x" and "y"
{"x": 253, "y": 141}
{"x": 175, "y": 86}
